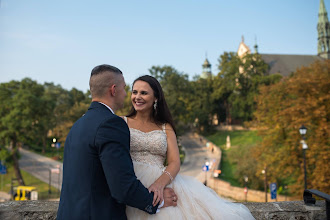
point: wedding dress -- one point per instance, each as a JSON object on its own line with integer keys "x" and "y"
{"x": 195, "y": 201}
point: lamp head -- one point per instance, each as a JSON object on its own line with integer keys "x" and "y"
{"x": 302, "y": 130}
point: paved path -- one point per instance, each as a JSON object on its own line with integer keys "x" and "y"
{"x": 196, "y": 156}
{"x": 41, "y": 167}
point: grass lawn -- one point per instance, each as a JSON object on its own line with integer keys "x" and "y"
{"x": 42, "y": 187}
{"x": 241, "y": 141}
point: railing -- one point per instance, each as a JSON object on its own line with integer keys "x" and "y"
{"x": 309, "y": 200}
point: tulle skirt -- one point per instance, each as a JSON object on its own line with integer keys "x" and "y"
{"x": 195, "y": 201}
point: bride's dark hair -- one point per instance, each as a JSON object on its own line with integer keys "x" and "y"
{"x": 162, "y": 114}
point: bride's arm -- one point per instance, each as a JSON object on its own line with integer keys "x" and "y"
{"x": 173, "y": 155}
{"x": 173, "y": 168}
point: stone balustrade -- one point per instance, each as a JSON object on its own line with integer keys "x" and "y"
{"x": 42, "y": 210}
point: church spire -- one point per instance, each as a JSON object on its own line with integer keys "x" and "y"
{"x": 206, "y": 69}
{"x": 255, "y": 45}
{"x": 323, "y": 29}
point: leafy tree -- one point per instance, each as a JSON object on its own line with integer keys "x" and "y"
{"x": 225, "y": 82}
{"x": 176, "y": 89}
{"x": 68, "y": 107}
{"x": 202, "y": 104}
{"x": 304, "y": 98}
{"x": 237, "y": 84}
{"x": 20, "y": 115}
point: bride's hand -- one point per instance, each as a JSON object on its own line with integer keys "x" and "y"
{"x": 158, "y": 190}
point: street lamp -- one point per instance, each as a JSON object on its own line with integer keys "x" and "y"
{"x": 303, "y": 131}
{"x": 53, "y": 143}
{"x": 246, "y": 179}
{"x": 264, "y": 171}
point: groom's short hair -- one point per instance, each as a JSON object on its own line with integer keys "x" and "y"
{"x": 102, "y": 77}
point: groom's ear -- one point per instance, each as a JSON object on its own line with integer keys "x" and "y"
{"x": 113, "y": 90}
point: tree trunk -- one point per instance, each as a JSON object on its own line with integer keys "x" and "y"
{"x": 228, "y": 115}
{"x": 16, "y": 165}
{"x": 44, "y": 140}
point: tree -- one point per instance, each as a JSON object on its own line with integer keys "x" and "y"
{"x": 225, "y": 82}
{"x": 237, "y": 84}
{"x": 202, "y": 104}
{"x": 176, "y": 89}
{"x": 282, "y": 108}
{"x": 67, "y": 107}
{"x": 20, "y": 115}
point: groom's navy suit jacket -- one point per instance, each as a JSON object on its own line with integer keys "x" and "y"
{"x": 98, "y": 176}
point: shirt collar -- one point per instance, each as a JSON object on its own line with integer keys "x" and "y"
{"x": 107, "y": 107}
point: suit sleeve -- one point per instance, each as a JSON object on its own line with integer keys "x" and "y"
{"x": 112, "y": 141}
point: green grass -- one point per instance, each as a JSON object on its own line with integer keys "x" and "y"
{"x": 42, "y": 187}
{"x": 237, "y": 138}
{"x": 241, "y": 142}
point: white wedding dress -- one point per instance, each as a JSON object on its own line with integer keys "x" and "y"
{"x": 195, "y": 201}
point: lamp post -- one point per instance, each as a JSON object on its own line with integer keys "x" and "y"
{"x": 303, "y": 131}
{"x": 264, "y": 171}
{"x": 246, "y": 179}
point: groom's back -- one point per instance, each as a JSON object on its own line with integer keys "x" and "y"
{"x": 85, "y": 192}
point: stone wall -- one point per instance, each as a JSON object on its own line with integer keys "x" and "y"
{"x": 42, "y": 210}
{"x": 224, "y": 189}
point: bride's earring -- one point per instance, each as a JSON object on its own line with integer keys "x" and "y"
{"x": 155, "y": 105}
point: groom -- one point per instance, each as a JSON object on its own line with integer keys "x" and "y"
{"x": 98, "y": 176}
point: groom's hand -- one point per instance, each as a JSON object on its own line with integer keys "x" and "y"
{"x": 170, "y": 198}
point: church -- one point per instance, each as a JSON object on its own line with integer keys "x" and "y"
{"x": 286, "y": 64}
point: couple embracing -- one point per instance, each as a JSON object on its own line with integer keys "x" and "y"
{"x": 114, "y": 166}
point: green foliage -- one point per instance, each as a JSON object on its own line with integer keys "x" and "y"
{"x": 177, "y": 90}
{"x": 237, "y": 85}
{"x": 202, "y": 104}
{"x": 30, "y": 110}
{"x": 67, "y": 107}
{"x": 190, "y": 102}
{"x": 4, "y": 155}
{"x": 20, "y": 111}
{"x": 21, "y": 115}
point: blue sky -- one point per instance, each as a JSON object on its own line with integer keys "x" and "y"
{"x": 61, "y": 41}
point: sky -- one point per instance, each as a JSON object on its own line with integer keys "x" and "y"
{"x": 60, "y": 41}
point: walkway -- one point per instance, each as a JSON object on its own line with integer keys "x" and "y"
{"x": 196, "y": 156}
{"x": 41, "y": 167}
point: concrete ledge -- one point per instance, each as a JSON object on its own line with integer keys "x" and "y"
{"x": 287, "y": 210}
{"x": 28, "y": 210}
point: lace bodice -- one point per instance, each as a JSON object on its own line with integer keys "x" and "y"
{"x": 149, "y": 147}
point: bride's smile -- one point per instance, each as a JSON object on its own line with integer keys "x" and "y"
{"x": 142, "y": 96}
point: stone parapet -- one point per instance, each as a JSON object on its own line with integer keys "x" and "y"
{"x": 42, "y": 210}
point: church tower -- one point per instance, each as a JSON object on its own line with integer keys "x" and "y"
{"x": 323, "y": 29}
{"x": 243, "y": 49}
{"x": 206, "y": 69}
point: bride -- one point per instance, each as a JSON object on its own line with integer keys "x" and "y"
{"x": 153, "y": 139}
